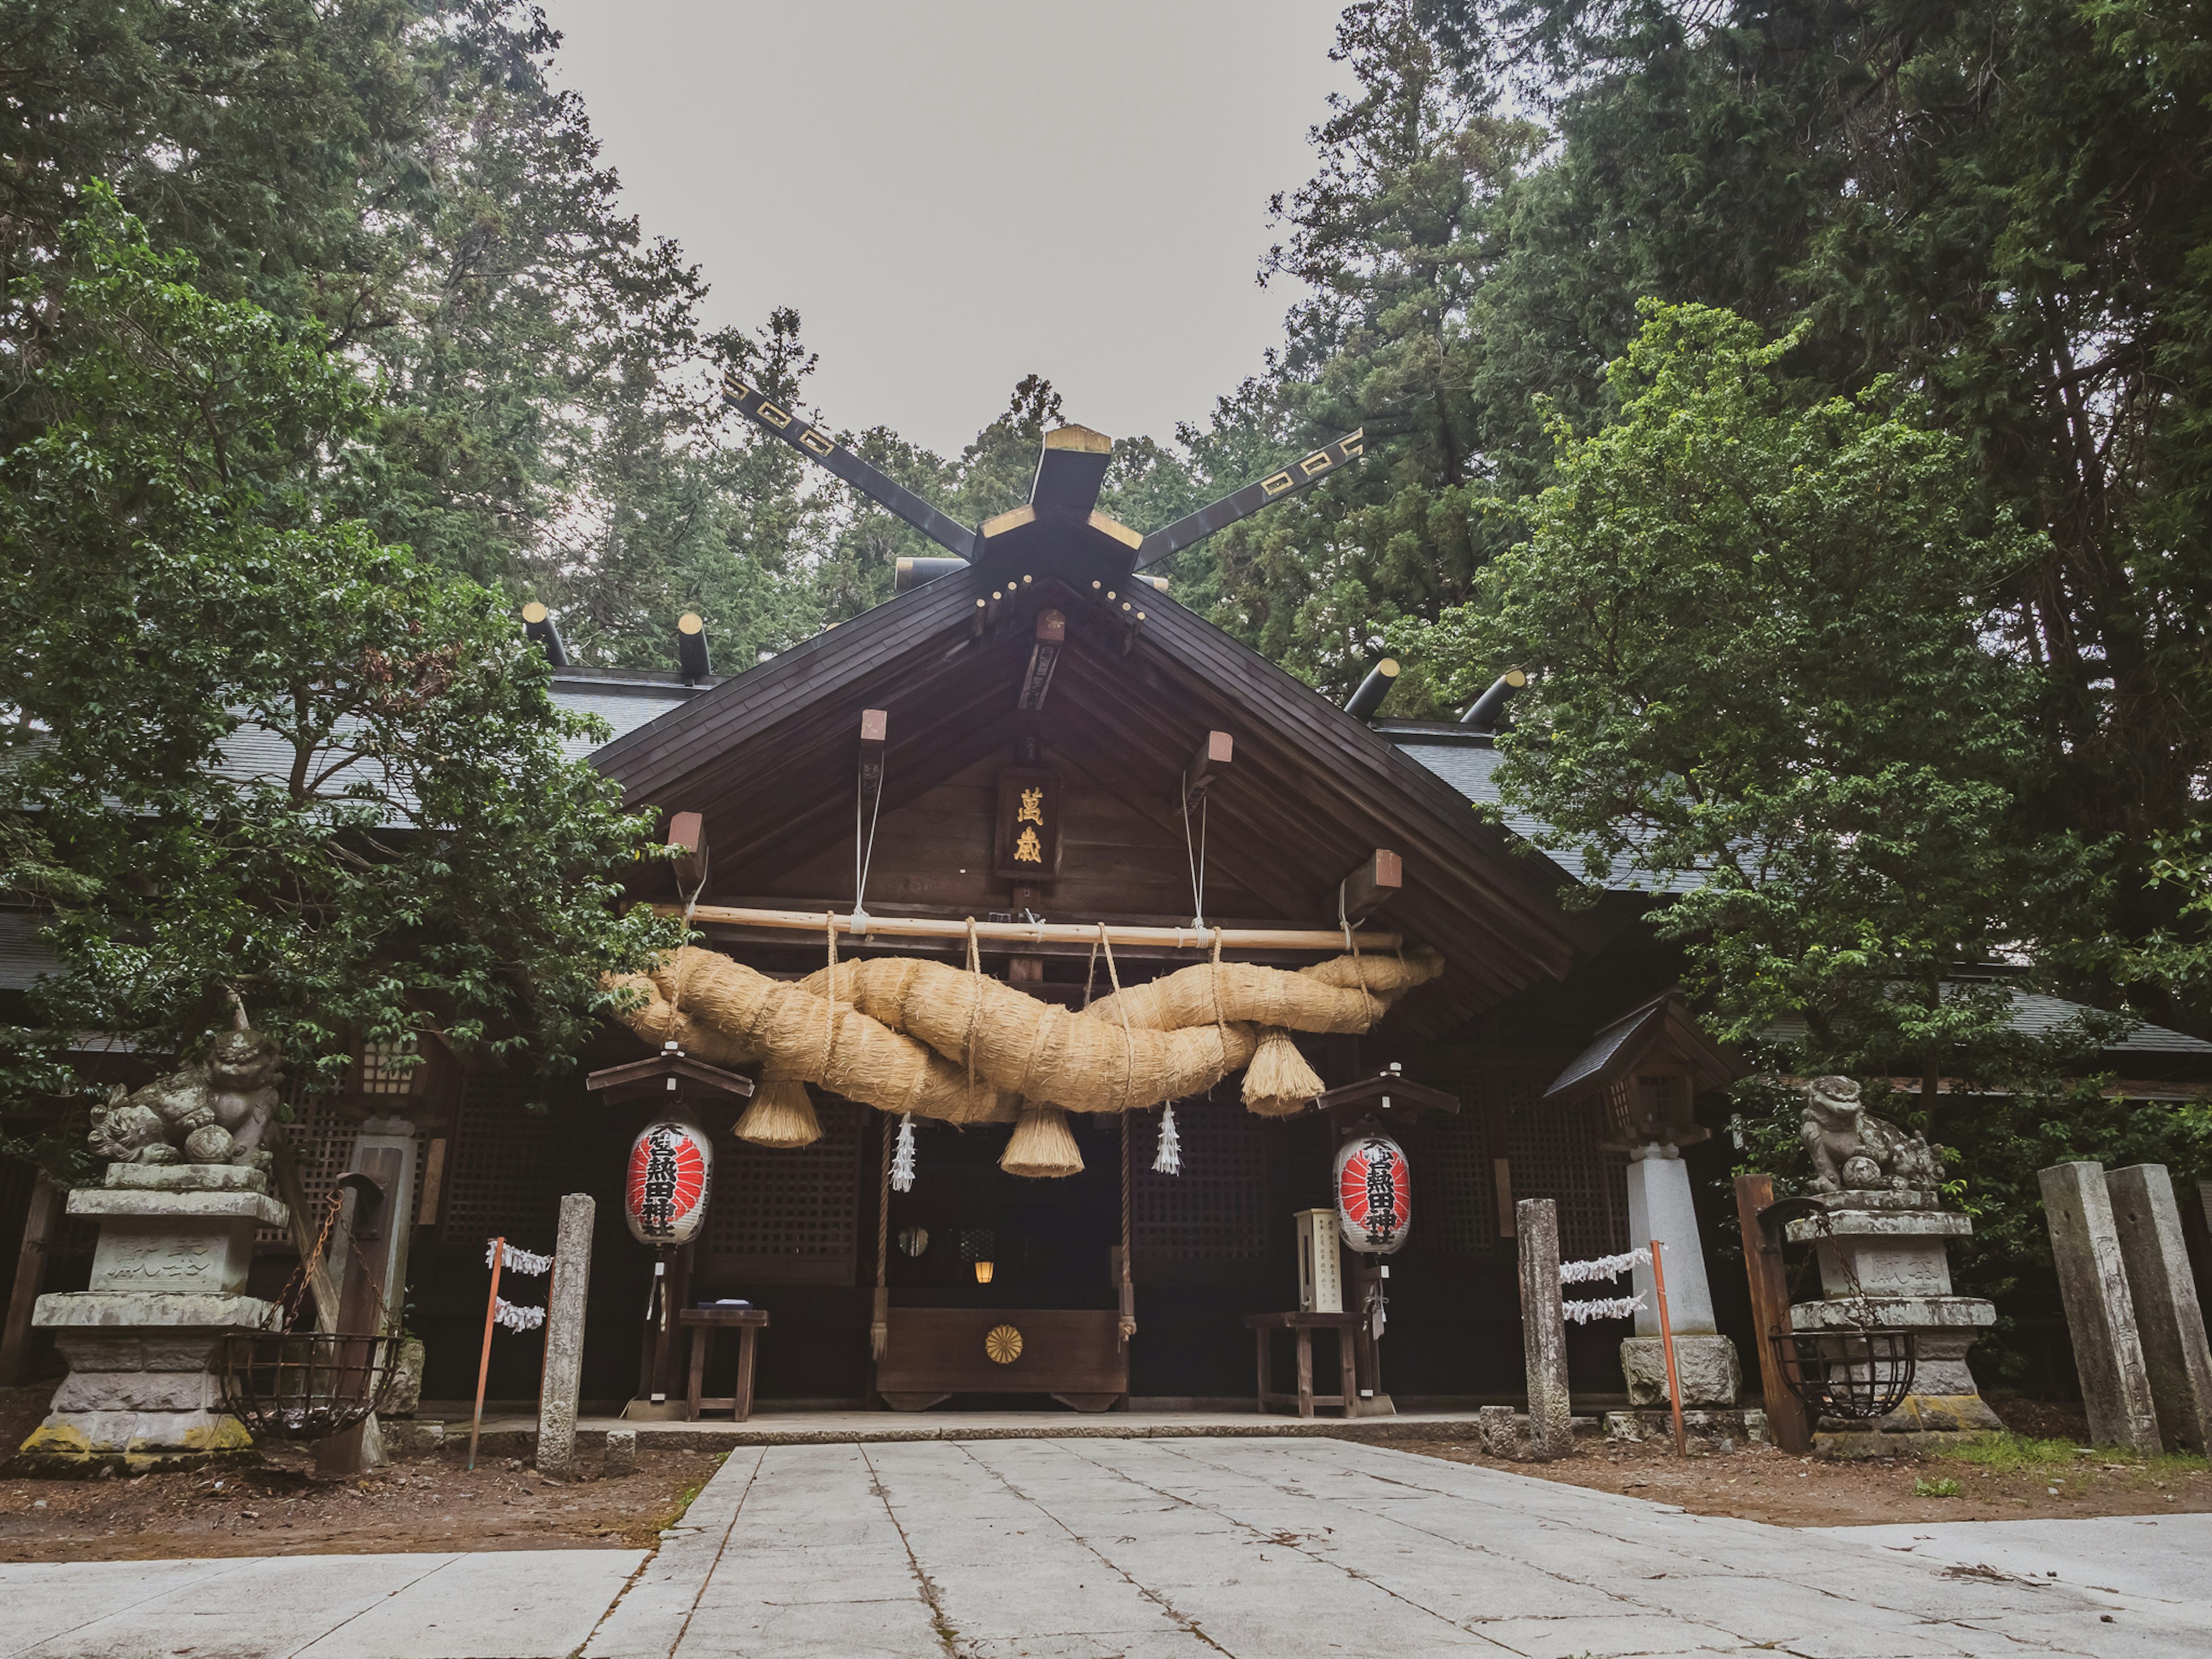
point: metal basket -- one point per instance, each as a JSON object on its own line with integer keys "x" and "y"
{"x": 306, "y": 1385}
{"x": 1857, "y": 1376}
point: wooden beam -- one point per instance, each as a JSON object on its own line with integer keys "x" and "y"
{"x": 687, "y": 831}
{"x": 875, "y": 732}
{"x": 38, "y": 1229}
{"x": 1044, "y": 656}
{"x": 1373, "y": 884}
{"x": 1215, "y": 750}
{"x": 1043, "y": 932}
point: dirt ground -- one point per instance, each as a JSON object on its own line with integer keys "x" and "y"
{"x": 2038, "y": 1470}
{"x": 279, "y": 1507}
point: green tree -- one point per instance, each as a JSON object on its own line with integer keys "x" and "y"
{"x": 1759, "y": 622}
{"x": 250, "y": 750}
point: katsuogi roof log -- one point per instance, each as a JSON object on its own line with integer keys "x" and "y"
{"x": 909, "y": 1036}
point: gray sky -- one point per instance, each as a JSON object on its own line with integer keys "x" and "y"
{"x": 954, "y": 193}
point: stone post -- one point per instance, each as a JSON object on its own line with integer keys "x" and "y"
{"x": 564, "y": 1336}
{"x": 1660, "y": 1208}
{"x": 1543, "y": 1329}
{"x": 2168, "y": 1322}
{"x": 2100, "y": 1314}
{"x": 144, "y": 1342}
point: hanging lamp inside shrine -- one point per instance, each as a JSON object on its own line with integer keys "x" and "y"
{"x": 1374, "y": 1193}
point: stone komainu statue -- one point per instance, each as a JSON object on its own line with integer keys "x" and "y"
{"x": 218, "y": 1111}
{"x": 1853, "y": 1151}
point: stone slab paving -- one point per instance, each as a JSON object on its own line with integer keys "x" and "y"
{"x": 505, "y": 1604}
{"x": 1202, "y": 1549}
{"x": 2125, "y": 1561}
{"x": 1276, "y": 1548}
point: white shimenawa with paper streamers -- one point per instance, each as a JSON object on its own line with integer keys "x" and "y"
{"x": 516, "y": 1261}
{"x": 1598, "y": 1269}
{"x": 1616, "y": 1307}
{"x": 519, "y": 1318}
{"x": 1602, "y": 1267}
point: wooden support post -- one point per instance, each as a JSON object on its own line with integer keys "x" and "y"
{"x": 484, "y": 1366}
{"x": 1208, "y": 765}
{"x": 1373, "y": 884}
{"x": 361, "y": 1307}
{"x": 559, "y": 1392}
{"x": 1786, "y": 1424}
{"x": 1666, "y": 1346}
{"x": 687, "y": 832}
{"x": 30, "y": 1274}
{"x": 306, "y": 1231}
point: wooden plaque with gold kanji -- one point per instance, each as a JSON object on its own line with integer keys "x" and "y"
{"x": 1026, "y": 846}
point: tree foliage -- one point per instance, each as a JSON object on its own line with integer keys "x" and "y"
{"x": 1761, "y": 617}
{"x": 269, "y": 755}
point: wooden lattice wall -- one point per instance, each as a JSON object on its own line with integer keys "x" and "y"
{"x": 1217, "y": 1209}
{"x": 507, "y": 1165}
{"x": 789, "y": 1217}
{"x": 1551, "y": 1151}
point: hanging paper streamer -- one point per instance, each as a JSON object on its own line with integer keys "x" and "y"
{"x": 1170, "y": 1160}
{"x": 517, "y": 1260}
{"x": 903, "y": 1157}
{"x": 1603, "y": 1266}
{"x": 519, "y": 1319}
{"x": 1618, "y": 1307}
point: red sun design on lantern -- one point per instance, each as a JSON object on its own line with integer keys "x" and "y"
{"x": 665, "y": 1193}
{"x": 1374, "y": 1194}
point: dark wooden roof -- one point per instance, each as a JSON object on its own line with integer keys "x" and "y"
{"x": 768, "y": 757}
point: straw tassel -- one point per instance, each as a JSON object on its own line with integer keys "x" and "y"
{"x": 781, "y": 1115}
{"x": 1278, "y": 1083}
{"x": 1042, "y": 1146}
{"x": 902, "y": 1158}
{"x": 1170, "y": 1158}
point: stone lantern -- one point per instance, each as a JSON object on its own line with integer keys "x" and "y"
{"x": 1646, "y": 1070}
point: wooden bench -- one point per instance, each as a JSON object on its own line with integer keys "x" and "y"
{"x": 1263, "y": 1328}
{"x": 749, "y": 1323}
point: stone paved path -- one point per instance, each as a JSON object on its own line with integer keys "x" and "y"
{"x": 1144, "y": 1549}
{"x": 1274, "y": 1549}
{"x": 506, "y": 1604}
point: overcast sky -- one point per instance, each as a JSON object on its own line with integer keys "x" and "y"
{"x": 955, "y": 193}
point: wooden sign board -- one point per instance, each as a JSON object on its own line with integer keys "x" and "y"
{"x": 1026, "y": 843}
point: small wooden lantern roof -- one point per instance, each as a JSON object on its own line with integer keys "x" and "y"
{"x": 670, "y": 1072}
{"x": 1388, "y": 1098}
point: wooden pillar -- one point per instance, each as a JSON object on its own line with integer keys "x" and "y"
{"x": 30, "y": 1274}
{"x": 1786, "y": 1422}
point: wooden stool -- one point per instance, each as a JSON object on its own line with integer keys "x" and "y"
{"x": 1264, "y": 1326}
{"x": 749, "y": 1323}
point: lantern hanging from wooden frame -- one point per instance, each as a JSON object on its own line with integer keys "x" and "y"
{"x": 1374, "y": 1193}
{"x": 670, "y": 1180}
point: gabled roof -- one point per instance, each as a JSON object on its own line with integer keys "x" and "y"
{"x": 768, "y": 757}
{"x": 1663, "y": 1022}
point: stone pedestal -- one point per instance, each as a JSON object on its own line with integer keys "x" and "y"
{"x": 1884, "y": 1264}
{"x": 144, "y": 1342}
{"x": 1660, "y": 1208}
